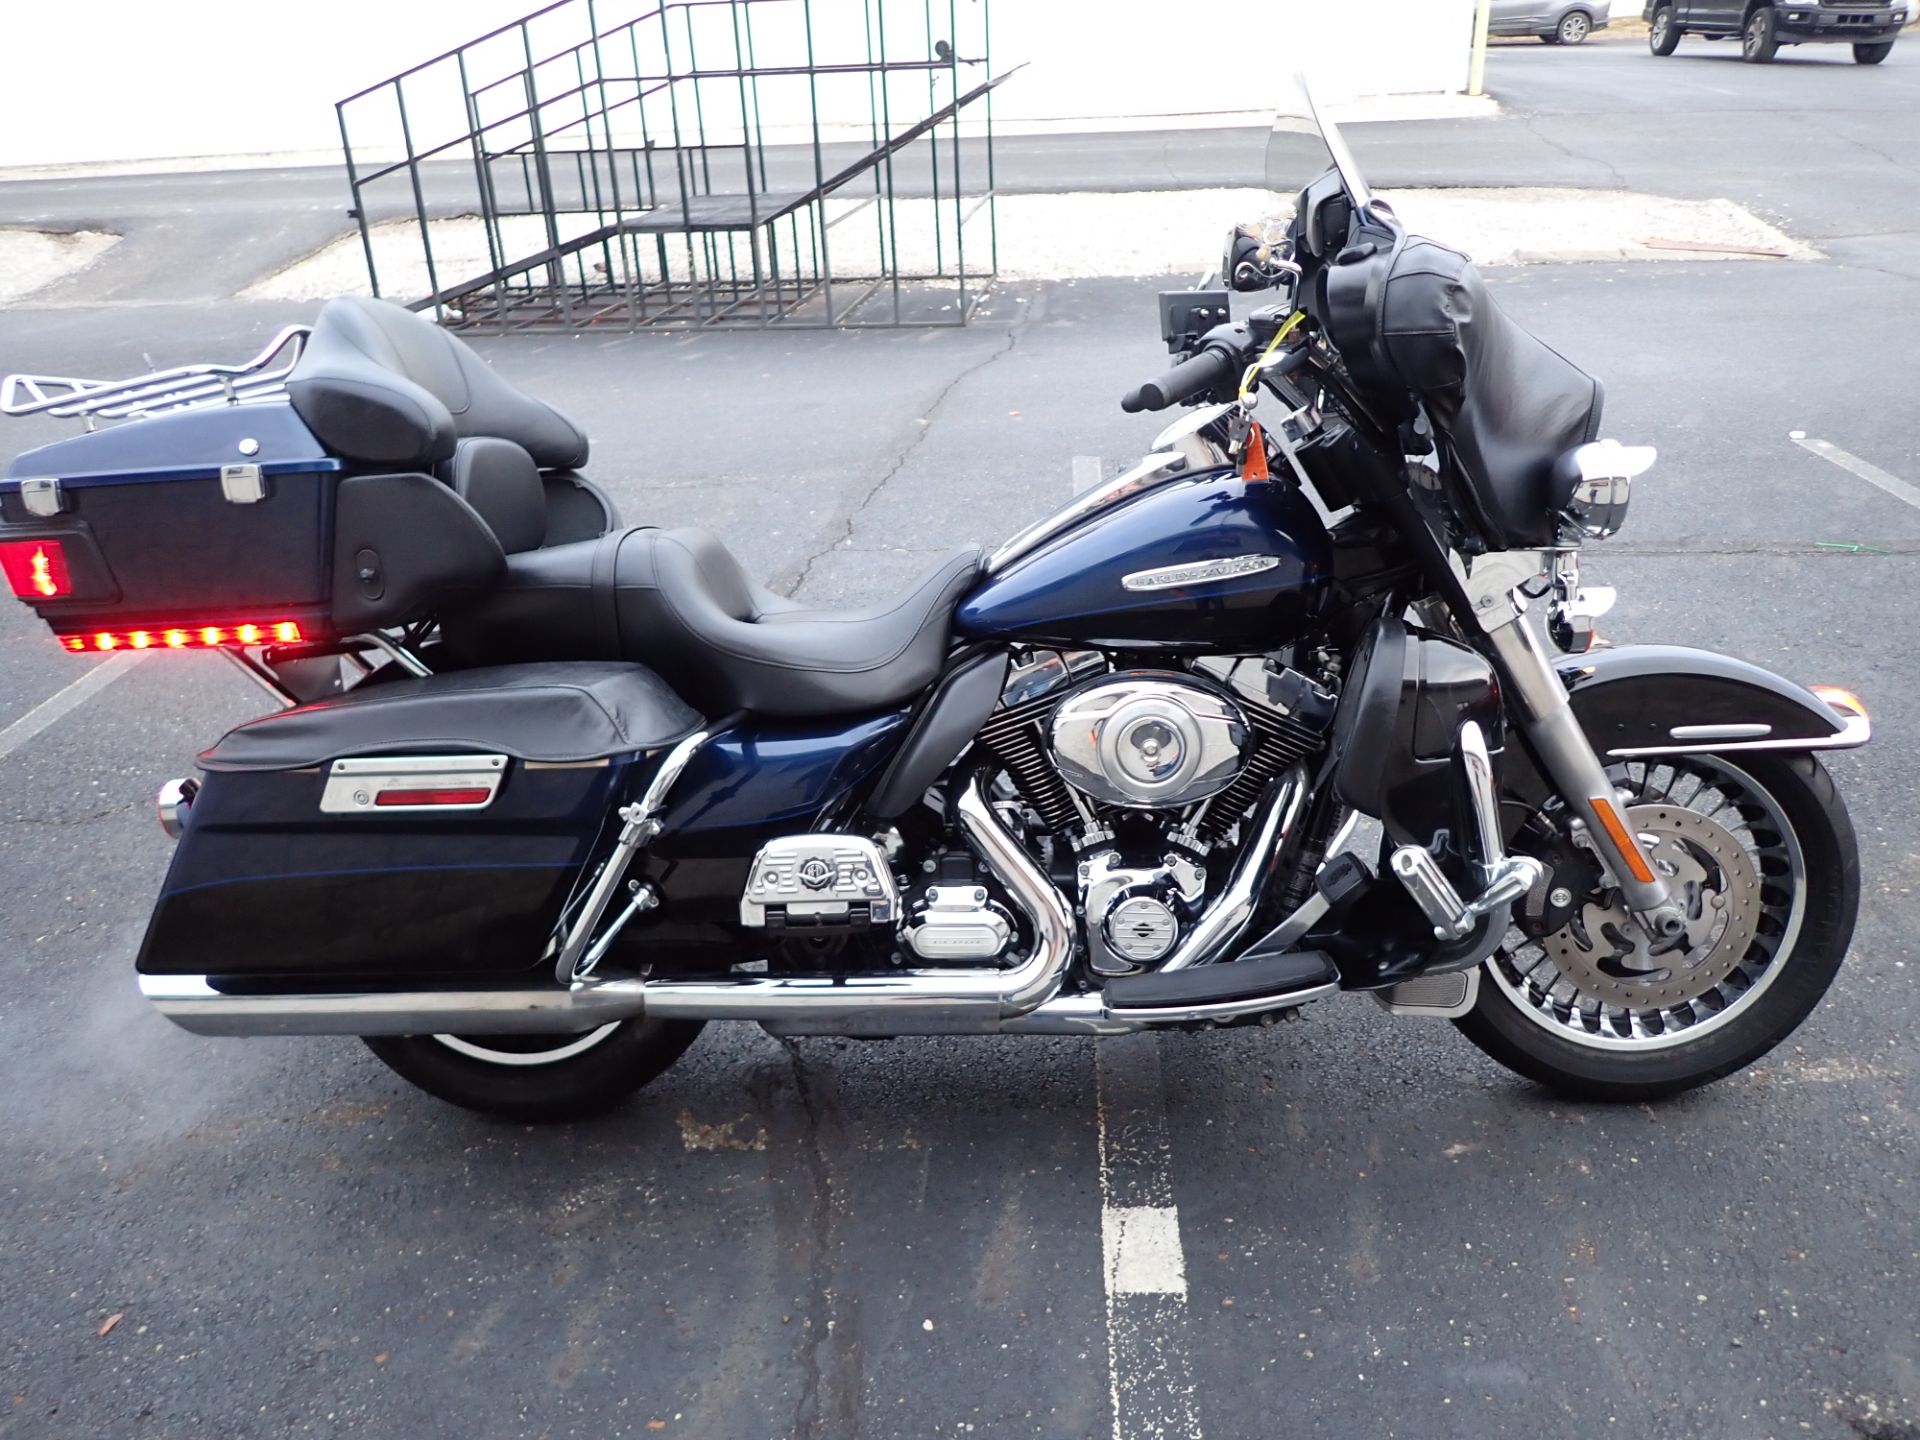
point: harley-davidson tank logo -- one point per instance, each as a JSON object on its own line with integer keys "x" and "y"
{"x": 1199, "y": 572}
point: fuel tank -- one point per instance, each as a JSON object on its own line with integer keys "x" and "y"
{"x": 1214, "y": 565}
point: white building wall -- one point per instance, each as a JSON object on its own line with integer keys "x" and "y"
{"x": 112, "y": 80}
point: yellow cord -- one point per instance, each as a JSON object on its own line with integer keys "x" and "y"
{"x": 1252, "y": 377}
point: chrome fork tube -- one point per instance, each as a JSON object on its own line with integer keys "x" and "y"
{"x": 1540, "y": 702}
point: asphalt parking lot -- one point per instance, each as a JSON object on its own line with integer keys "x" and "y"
{"x": 1382, "y": 1233}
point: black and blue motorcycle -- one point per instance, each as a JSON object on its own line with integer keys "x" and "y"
{"x": 548, "y": 793}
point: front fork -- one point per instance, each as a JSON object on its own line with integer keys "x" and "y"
{"x": 1538, "y": 701}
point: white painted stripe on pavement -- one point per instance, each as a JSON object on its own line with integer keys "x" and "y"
{"x": 63, "y": 702}
{"x": 1142, "y": 1245}
{"x": 1872, "y": 474}
{"x": 1150, "y": 1375}
{"x": 1086, "y": 472}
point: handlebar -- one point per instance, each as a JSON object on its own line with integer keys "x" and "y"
{"x": 1219, "y": 361}
{"x": 1214, "y": 365}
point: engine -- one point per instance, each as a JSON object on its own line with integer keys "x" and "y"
{"x": 1143, "y": 773}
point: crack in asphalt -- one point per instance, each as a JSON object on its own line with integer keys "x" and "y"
{"x": 1533, "y": 129}
{"x": 830, "y": 1385}
{"x": 791, "y": 581}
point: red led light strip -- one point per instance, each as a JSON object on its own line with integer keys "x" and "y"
{"x": 475, "y": 796}
{"x": 186, "y": 637}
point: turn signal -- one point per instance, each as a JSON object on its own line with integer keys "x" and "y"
{"x": 36, "y": 569}
{"x": 1840, "y": 699}
{"x": 180, "y": 637}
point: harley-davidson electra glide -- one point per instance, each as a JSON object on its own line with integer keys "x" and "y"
{"x": 549, "y": 793}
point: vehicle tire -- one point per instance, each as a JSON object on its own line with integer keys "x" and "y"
{"x": 1663, "y": 36}
{"x": 1793, "y": 899}
{"x": 538, "y": 1077}
{"x": 1574, "y": 28}
{"x": 1872, "y": 54}
{"x": 1758, "y": 44}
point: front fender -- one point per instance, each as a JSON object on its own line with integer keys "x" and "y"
{"x": 1642, "y": 701}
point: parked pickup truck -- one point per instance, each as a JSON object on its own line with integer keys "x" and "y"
{"x": 1763, "y": 26}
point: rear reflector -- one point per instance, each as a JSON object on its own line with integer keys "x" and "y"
{"x": 478, "y": 796}
{"x": 184, "y": 637}
{"x": 35, "y": 569}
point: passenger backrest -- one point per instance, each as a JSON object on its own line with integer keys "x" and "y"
{"x": 499, "y": 479}
{"x": 379, "y": 383}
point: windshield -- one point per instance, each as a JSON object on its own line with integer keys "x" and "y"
{"x": 1302, "y": 146}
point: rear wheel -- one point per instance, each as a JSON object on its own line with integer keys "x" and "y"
{"x": 1574, "y": 28}
{"x": 1872, "y": 54}
{"x": 1664, "y": 36}
{"x": 1761, "y": 857}
{"x": 538, "y": 1077}
{"x": 1758, "y": 44}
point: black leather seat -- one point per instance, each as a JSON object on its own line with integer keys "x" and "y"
{"x": 677, "y": 600}
{"x": 379, "y": 383}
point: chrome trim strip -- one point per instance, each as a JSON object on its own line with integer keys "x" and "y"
{"x": 353, "y": 786}
{"x": 1156, "y": 469}
{"x": 1199, "y": 572}
{"x": 1855, "y": 730}
{"x": 1720, "y": 732}
{"x": 191, "y": 1003}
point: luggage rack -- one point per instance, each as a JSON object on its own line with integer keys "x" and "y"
{"x": 183, "y": 387}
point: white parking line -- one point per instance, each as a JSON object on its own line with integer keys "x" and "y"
{"x": 1150, "y": 1376}
{"x": 63, "y": 702}
{"x": 1872, "y": 474}
{"x": 1086, "y": 472}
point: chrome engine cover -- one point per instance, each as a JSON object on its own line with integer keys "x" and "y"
{"x": 1149, "y": 740}
{"x": 1135, "y": 914}
{"x": 958, "y": 922}
{"x": 819, "y": 880}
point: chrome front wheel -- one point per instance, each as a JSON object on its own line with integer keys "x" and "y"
{"x": 1761, "y": 857}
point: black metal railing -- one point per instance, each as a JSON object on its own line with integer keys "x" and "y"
{"x": 705, "y": 162}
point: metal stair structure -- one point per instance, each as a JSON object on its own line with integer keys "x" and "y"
{"x": 702, "y": 163}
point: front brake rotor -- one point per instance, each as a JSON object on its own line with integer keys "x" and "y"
{"x": 1607, "y": 956}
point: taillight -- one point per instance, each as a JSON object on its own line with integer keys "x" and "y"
{"x": 187, "y": 637}
{"x": 36, "y": 569}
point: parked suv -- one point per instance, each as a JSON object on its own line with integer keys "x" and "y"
{"x": 1763, "y": 26}
{"x": 1558, "y": 22}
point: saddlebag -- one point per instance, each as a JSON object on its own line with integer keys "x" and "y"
{"x": 421, "y": 827}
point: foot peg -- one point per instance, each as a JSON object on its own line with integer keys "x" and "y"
{"x": 1503, "y": 878}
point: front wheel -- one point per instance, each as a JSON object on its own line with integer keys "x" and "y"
{"x": 1574, "y": 29}
{"x": 1872, "y": 54}
{"x": 1758, "y": 43}
{"x": 1664, "y": 36}
{"x": 538, "y": 1077}
{"x": 1761, "y": 856}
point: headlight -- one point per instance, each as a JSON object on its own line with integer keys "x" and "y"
{"x": 1598, "y": 479}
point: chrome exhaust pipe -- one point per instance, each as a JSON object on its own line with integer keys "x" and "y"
{"x": 191, "y": 1003}
{"x": 903, "y": 1002}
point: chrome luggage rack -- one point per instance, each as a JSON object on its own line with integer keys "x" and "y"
{"x": 184, "y": 387}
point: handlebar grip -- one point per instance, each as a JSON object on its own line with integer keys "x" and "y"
{"x": 1191, "y": 376}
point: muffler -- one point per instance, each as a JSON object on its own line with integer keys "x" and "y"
{"x": 191, "y": 1003}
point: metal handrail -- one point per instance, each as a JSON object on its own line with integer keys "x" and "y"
{"x": 182, "y": 387}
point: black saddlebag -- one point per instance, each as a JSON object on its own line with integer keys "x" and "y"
{"x": 420, "y": 827}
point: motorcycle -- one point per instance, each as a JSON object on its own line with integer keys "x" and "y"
{"x": 548, "y": 793}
